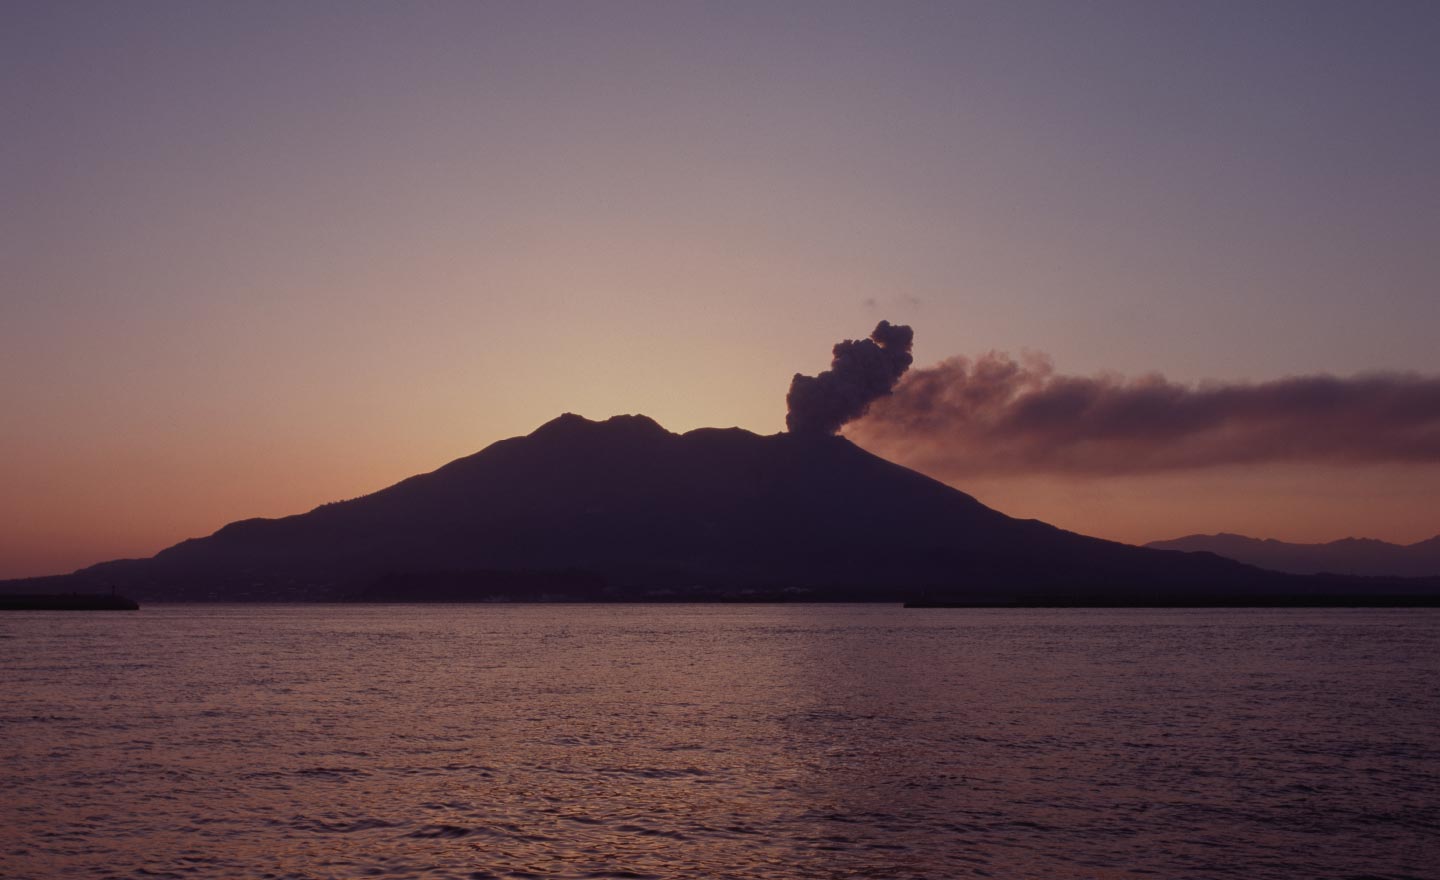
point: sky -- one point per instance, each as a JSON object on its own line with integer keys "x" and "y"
{"x": 258, "y": 256}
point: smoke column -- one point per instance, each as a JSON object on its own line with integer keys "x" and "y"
{"x": 997, "y": 415}
{"x": 861, "y": 371}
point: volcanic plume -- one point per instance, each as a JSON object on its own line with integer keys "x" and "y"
{"x": 861, "y": 371}
{"x": 997, "y": 414}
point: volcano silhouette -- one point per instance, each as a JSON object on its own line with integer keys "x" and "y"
{"x": 623, "y": 509}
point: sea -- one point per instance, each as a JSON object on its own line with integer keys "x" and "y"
{"x": 719, "y": 741}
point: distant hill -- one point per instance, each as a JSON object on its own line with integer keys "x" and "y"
{"x": 623, "y": 510}
{"x": 1351, "y": 556}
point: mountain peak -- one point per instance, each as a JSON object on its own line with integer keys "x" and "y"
{"x": 572, "y": 424}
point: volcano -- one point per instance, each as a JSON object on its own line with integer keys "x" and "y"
{"x": 623, "y": 509}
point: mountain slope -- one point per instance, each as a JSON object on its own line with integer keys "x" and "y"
{"x": 1353, "y": 556}
{"x": 624, "y": 509}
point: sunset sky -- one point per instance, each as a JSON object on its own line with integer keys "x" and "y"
{"x": 258, "y": 256}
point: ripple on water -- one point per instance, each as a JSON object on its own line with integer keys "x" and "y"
{"x": 745, "y": 742}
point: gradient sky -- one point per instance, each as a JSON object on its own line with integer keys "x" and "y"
{"x": 258, "y": 256}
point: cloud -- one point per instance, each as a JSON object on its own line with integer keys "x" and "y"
{"x": 1000, "y": 415}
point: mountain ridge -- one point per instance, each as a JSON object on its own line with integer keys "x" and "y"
{"x": 1346, "y": 556}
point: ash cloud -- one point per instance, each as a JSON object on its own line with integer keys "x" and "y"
{"x": 861, "y": 371}
{"x": 999, "y": 415}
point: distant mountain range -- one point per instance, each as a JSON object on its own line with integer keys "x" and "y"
{"x": 625, "y": 510}
{"x": 1351, "y": 556}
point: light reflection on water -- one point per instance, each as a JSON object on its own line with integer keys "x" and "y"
{"x": 718, "y": 741}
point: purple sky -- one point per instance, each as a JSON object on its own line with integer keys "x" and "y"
{"x": 257, "y": 256}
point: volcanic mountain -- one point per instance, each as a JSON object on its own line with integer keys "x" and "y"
{"x": 623, "y": 509}
{"x": 1358, "y": 556}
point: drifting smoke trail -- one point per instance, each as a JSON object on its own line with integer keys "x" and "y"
{"x": 861, "y": 371}
{"x": 999, "y": 415}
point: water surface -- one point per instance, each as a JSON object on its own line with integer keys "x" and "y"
{"x": 719, "y": 741}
